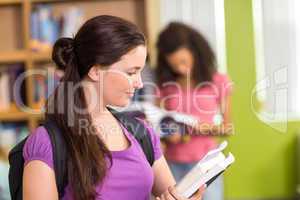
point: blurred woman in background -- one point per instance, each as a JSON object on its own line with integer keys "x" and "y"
{"x": 189, "y": 83}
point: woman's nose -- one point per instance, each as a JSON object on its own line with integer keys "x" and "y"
{"x": 138, "y": 83}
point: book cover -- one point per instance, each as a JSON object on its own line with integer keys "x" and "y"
{"x": 13, "y": 71}
{"x": 163, "y": 122}
{"x": 72, "y": 20}
{"x": 34, "y": 30}
{"x": 205, "y": 171}
{"x": 4, "y": 91}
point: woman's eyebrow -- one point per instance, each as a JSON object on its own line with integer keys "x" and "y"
{"x": 136, "y": 67}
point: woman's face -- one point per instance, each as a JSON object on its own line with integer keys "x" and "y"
{"x": 181, "y": 61}
{"x": 118, "y": 83}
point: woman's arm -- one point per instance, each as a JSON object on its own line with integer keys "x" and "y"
{"x": 224, "y": 129}
{"x": 163, "y": 177}
{"x": 164, "y": 182}
{"x": 39, "y": 182}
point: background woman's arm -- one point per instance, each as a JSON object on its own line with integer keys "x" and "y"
{"x": 225, "y": 128}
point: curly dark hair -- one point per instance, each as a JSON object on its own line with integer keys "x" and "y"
{"x": 175, "y": 36}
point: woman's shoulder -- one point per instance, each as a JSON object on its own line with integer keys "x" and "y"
{"x": 223, "y": 83}
{"x": 221, "y": 78}
{"x": 38, "y": 147}
{"x": 155, "y": 139}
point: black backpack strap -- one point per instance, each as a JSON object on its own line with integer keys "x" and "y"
{"x": 138, "y": 130}
{"x": 59, "y": 155}
{"x": 16, "y": 169}
{"x": 133, "y": 125}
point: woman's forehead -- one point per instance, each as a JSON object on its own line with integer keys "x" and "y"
{"x": 134, "y": 58}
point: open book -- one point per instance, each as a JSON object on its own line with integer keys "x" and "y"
{"x": 160, "y": 119}
{"x": 205, "y": 171}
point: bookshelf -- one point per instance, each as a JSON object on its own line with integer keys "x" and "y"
{"x": 13, "y": 56}
{"x": 15, "y": 38}
{"x": 9, "y": 2}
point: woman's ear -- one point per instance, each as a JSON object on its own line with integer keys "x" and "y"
{"x": 95, "y": 73}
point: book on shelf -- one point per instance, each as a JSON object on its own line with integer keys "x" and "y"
{"x": 72, "y": 19}
{"x": 4, "y": 91}
{"x": 8, "y": 76}
{"x": 4, "y": 185}
{"x": 12, "y": 86}
{"x": 47, "y": 28}
{"x": 212, "y": 165}
{"x": 45, "y": 84}
{"x": 11, "y": 134}
{"x": 44, "y": 28}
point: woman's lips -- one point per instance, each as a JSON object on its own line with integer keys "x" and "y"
{"x": 130, "y": 94}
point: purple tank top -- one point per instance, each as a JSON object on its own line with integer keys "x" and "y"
{"x": 130, "y": 177}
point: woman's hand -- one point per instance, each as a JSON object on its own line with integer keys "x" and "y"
{"x": 174, "y": 138}
{"x": 171, "y": 194}
{"x": 213, "y": 130}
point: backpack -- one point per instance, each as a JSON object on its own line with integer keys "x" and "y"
{"x": 16, "y": 160}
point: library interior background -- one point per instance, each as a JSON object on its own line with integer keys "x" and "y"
{"x": 256, "y": 43}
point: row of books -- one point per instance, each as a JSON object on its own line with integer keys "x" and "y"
{"x": 11, "y": 134}
{"x": 45, "y": 82}
{"x": 8, "y": 77}
{"x": 12, "y": 85}
{"x": 4, "y": 186}
{"x": 47, "y": 27}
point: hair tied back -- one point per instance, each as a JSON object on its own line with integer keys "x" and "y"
{"x": 63, "y": 52}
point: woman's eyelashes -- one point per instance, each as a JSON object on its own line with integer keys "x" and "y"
{"x": 131, "y": 73}
{"x": 134, "y": 71}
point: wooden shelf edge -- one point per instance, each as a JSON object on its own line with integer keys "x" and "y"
{"x": 8, "y": 116}
{"x": 41, "y": 56}
{"x": 59, "y": 1}
{"x": 16, "y": 114}
{"x": 13, "y": 56}
{"x": 22, "y": 56}
{"x": 13, "y": 116}
{"x": 10, "y": 2}
{"x": 45, "y": 1}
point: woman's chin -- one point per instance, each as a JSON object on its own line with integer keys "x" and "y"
{"x": 123, "y": 103}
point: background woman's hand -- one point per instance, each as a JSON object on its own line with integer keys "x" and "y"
{"x": 174, "y": 138}
{"x": 171, "y": 194}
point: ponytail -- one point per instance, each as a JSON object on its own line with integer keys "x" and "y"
{"x": 86, "y": 151}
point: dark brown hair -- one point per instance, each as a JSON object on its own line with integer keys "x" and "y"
{"x": 102, "y": 40}
{"x": 175, "y": 36}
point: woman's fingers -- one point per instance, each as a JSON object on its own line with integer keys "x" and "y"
{"x": 174, "y": 193}
{"x": 171, "y": 194}
{"x": 174, "y": 138}
{"x": 199, "y": 193}
{"x": 166, "y": 196}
